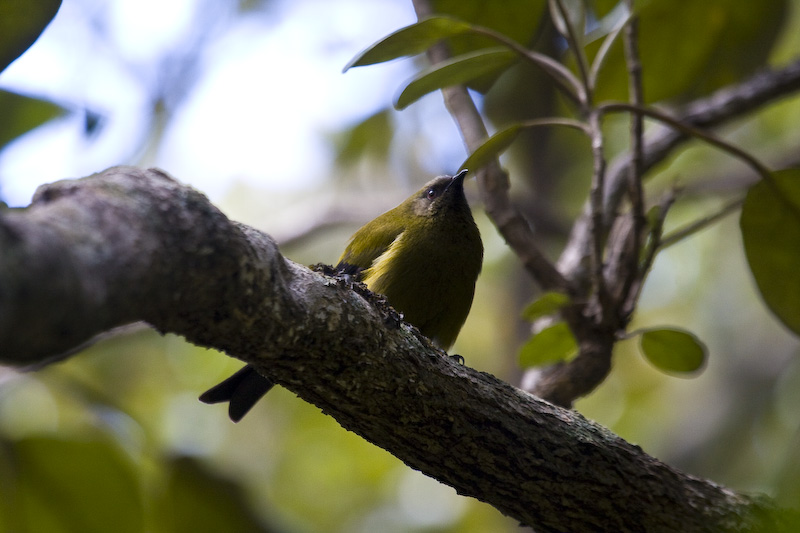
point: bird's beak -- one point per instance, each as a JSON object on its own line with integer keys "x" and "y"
{"x": 458, "y": 178}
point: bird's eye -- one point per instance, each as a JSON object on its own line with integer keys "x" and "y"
{"x": 431, "y": 194}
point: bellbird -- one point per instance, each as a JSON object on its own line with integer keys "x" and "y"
{"x": 424, "y": 256}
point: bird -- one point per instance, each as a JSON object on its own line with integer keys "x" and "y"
{"x": 424, "y": 256}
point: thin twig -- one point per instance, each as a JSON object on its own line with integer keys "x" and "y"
{"x": 698, "y": 225}
{"x": 636, "y": 90}
{"x": 713, "y": 140}
{"x": 723, "y": 105}
{"x": 687, "y": 129}
{"x": 575, "y": 43}
{"x": 596, "y": 202}
{"x": 659, "y": 243}
{"x": 563, "y": 78}
{"x": 557, "y": 121}
{"x": 653, "y": 247}
{"x": 605, "y": 47}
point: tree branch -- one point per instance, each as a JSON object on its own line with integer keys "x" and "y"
{"x": 130, "y": 244}
{"x": 722, "y": 106}
{"x": 564, "y": 383}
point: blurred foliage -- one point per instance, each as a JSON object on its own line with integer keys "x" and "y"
{"x": 22, "y": 114}
{"x": 369, "y": 138}
{"x": 194, "y": 499}
{"x": 115, "y": 438}
{"x": 692, "y": 48}
{"x": 71, "y": 485}
{"x": 551, "y": 345}
{"x": 21, "y": 23}
{"x": 771, "y": 232}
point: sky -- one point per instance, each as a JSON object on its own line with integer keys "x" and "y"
{"x": 240, "y": 120}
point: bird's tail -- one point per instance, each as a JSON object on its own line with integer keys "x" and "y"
{"x": 242, "y": 391}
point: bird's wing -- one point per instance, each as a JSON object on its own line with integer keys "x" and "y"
{"x": 368, "y": 243}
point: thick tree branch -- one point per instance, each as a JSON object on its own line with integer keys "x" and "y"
{"x": 129, "y": 244}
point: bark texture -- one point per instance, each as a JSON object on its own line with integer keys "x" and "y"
{"x": 130, "y": 244}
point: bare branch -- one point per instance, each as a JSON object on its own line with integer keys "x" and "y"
{"x": 596, "y": 205}
{"x": 724, "y": 105}
{"x": 689, "y": 130}
{"x": 605, "y": 48}
{"x": 698, "y": 225}
{"x": 635, "y": 192}
{"x": 575, "y": 44}
{"x": 565, "y": 80}
{"x": 653, "y": 246}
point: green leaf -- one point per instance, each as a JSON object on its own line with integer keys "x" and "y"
{"x": 21, "y": 23}
{"x": 519, "y": 20}
{"x": 729, "y": 39}
{"x": 673, "y": 350}
{"x": 408, "y": 41}
{"x": 500, "y": 141}
{"x": 547, "y": 304}
{"x": 551, "y": 345}
{"x": 456, "y": 71}
{"x": 23, "y": 113}
{"x": 770, "y": 224}
{"x": 77, "y": 485}
{"x": 492, "y": 148}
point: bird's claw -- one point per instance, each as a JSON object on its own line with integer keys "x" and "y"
{"x": 456, "y": 358}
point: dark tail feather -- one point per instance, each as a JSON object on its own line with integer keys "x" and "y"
{"x": 242, "y": 390}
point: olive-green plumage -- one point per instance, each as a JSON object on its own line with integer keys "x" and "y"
{"x": 424, "y": 256}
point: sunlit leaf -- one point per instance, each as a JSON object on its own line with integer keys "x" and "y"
{"x": 551, "y": 345}
{"x": 547, "y": 304}
{"x": 500, "y": 141}
{"x": 77, "y": 485}
{"x": 492, "y": 148}
{"x": 21, "y": 23}
{"x": 673, "y": 350}
{"x": 408, "y": 41}
{"x": 770, "y": 225}
{"x": 456, "y": 71}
